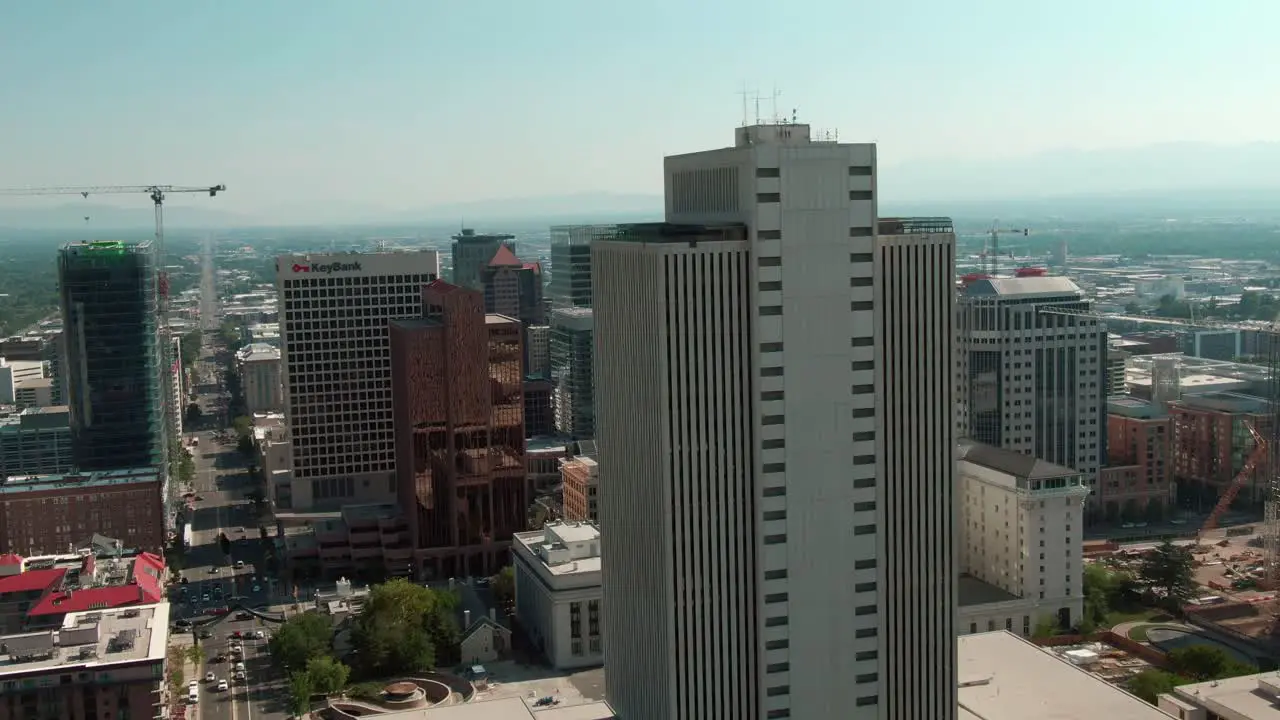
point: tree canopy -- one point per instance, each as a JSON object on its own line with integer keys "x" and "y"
{"x": 1151, "y": 684}
{"x": 1169, "y": 572}
{"x": 1205, "y": 662}
{"x": 403, "y": 628}
{"x": 300, "y": 639}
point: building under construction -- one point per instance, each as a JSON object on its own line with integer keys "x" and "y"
{"x": 459, "y": 432}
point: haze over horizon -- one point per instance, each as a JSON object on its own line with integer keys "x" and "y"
{"x": 324, "y": 112}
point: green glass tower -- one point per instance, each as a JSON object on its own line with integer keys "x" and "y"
{"x": 113, "y": 357}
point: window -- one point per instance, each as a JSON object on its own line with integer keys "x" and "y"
{"x": 775, "y": 491}
{"x": 776, "y": 444}
{"x": 770, "y": 372}
{"x": 777, "y": 645}
{"x": 771, "y": 395}
{"x": 775, "y": 574}
{"x": 862, "y": 342}
{"x": 863, "y": 365}
{"x": 864, "y": 564}
{"x": 769, "y": 234}
{"x": 773, "y": 598}
{"x": 770, "y": 347}
{"x": 861, "y": 232}
{"x": 865, "y": 587}
{"x": 861, "y": 305}
{"x": 863, "y": 483}
{"x": 774, "y": 197}
{"x": 778, "y": 691}
{"x": 864, "y": 459}
{"x": 868, "y": 610}
{"x": 774, "y": 467}
{"x": 769, "y": 310}
{"x": 864, "y": 530}
{"x": 771, "y": 172}
{"x": 770, "y": 261}
{"x": 860, "y": 257}
{"x": 863, "y": 389}
{"x": 868, "y": 506}
{"x": 772, "y": 419}
{"x": 864, "y": 436}
{"x": 775, "y": 515}
{"x": 770, "y": 285}
{"x": 865, "y": 678}
{"x": 775, "y": 539}
{"x": 859, "y": 170}
{"x": 860, "y": 282}
{"x": 773, "y": 668}
{"x": 857, "y": 195}
{"x": 778, "y": 621}
{"x": 866, "y": 701}
{"x": 864, "y": 633}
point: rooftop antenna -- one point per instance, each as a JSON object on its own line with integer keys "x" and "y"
{"x": 777, "y": 119}
{"x": 757, "y": 108}
{"x": 794, "y": 114}
{"x": 745, "y": 93}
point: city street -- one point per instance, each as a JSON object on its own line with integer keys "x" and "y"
{"x": 217, "y": 583}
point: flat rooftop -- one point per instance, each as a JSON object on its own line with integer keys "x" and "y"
{"x": 1244, "y": 697}
{"x": 973, "y": 591}
{"x": 1003, "y": 677}
{"x": 100, "y": 479}
{"x": 90, "y": 639}
{"x": 508, "y": 708}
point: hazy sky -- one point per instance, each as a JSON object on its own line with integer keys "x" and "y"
{"x": 409, "y": 104}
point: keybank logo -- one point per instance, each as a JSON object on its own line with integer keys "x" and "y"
{"x": 328, "y": 268}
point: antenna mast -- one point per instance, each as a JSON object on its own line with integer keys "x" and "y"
{"x": 777, "y": 119}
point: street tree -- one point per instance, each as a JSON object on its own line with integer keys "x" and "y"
{"x": 503, "y": 586}
{"x": 300, "y": 693}
{"x": 394, "y": 632}
{"x": 1169, "y": 572}
{"x": 326, "y": 675}
{"x": 1151, "y": 684}
{"x": 1204, "y": 662}
{"x": 299, "y": 639}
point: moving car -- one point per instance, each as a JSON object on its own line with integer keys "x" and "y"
{"x": 209, "y": 677}
{"x": 222, "y": 685}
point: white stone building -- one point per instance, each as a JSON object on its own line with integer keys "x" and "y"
{"x": 559, "y": 594}
{"x": 774, "y": 374}
{"x": 260, "y": 377}
{"x": 1021, "y": 541}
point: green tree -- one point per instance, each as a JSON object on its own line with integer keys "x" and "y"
{"x": 1133, "y": 308}
{"x": 243, "y": 426}
{"x": 191, "y": 343}
{"x": 1151, "y": 684}
{"x": 299, "y": 639}
{"x": 245, "y": 445}
{"x": 300, "y": 693}
{"x": 393, "y": 633}
{"x": 1205, "y": 662}
{"x": 1046, "y": 626}
{"x": 1168, "y": 570}
{"x": 327, "y": 675}
{"x": 504, "y": 588}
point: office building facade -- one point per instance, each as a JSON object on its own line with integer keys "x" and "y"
{"x": 459, "y": 432}
{"x": 336, "y": 355}
{"x": 260, "y": 367}
{"x": 730, "y": 469}
{"x": 36, "y": 441}
{"x": 573, "y": 373}
{"x": 114, "y": 355}
{"x": 472, "y": 252}
{"x": 1033, "y": 381}
{"x": 570, "y": 284}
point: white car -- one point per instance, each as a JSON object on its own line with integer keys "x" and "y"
{"x": 239, "y": 667}
{"x": 209, "y": 677}
{"x": 222, "y": 685}
{"x": 259, "y": 635}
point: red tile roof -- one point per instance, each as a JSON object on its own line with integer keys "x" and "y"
{"x": 441, "y": 286}
{"x": 505, "y": 258}
{"x": 32, "y": 580}
{"x": 144, "y": 587}
{"x": 10, "y": 559}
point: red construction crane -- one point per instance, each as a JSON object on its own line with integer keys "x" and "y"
{"x": 1246, "y": 471}
{"x": 157, "y": 193}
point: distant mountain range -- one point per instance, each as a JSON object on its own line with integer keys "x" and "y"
{"x": 1181, "y": 180}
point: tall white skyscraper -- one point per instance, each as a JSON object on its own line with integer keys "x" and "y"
{"x": 774, "y": 388}
{"x": 335, "y": 351}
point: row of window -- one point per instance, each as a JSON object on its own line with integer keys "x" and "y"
{"x": 773, "y": 197}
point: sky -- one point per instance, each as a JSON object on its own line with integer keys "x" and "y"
{"x": 404, "y": 104}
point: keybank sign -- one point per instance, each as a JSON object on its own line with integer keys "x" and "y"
{"x": 327, "y": 268}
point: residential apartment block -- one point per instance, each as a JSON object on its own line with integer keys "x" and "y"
{"x": 1137, "y": 484}
{"x": 51, "y": 513}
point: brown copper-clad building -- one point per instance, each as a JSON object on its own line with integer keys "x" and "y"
{"x": 459, "y": 432}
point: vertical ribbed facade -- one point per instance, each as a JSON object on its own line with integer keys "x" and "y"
{"x": 673, "y": 376}
{"x": 846, "y": 340}
{"x": 918, "y": 511}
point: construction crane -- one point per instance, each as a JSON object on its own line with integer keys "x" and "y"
{"x": 1265, "y": 449}
{"x": 1260, "y": 448}
{"x": 991, "y": 253}
{"x": 157, "y": 193}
